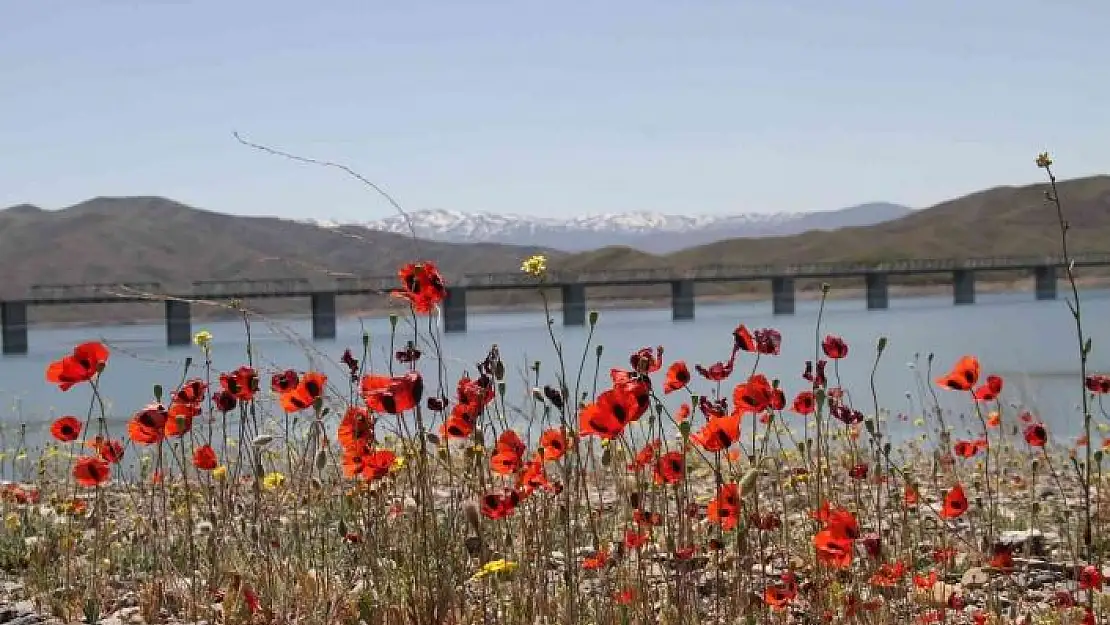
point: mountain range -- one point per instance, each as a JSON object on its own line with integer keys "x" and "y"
{"x": 655, "y": 233}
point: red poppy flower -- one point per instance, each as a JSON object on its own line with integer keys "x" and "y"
{"x": 834, "y": 347}
{"x": 644, "y": 361}
{"x": 817, "y": 378}
{"x": 755, "y": 395}
{"x": 204, "y": 458}
{"x": 499, "y": 505}
{"x": 720, "y": 370}
{"x": 646, "y": 456}
{"x": 834, "y": 543}
{"x": 241, "y": 383}
{"x": 224, "y": 401}
{"x": 963, "y": 375}
{"x": 1090, "y": 578}
{"x": 356, "y": 428}
{"x": 82, "y": 365}
{"x": 889, "y": 574}
{"x": 508, "y": 453}
{"x": 284, "y": 381}
{"x": 719, "y": 434}
{"x": 724, "y": 510}
{"x": 422, "y": 286}
{"x": 66, "y": 429}
{"x": 108, "y": 450}
{"x": 1098, "y": 383}
{"x": 309, "y": 388}
{"x": 669, "y": 468}
{"x": 392, "y": 395}
{"x": 678, "y": 376}
{"x": 191, "y": 392}
{"x": 991, "y": 390}
{"x": 180, "y": 418}
{"x": 634, "y": 539}
{"x": 553, "y": 444}
{"x": 608, "y": 416}
{"x": 1036, "y": 435}
{"x": 90, "y": 471}
{"x": 955, "y": 503}
{"x": 148, "y": 426}
{"x": 805, "y": 403}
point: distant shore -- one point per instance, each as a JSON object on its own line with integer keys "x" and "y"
{"x": 802, "y": 294}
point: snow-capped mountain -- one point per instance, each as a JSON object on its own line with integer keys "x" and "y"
{"x": 650, "y": 232}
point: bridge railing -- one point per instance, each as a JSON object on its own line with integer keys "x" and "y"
{"x": 722, "y": 271}
{"x": 365, "y": 284}
{"x": 92, "y": 291}
{"x": 276, "y": 286}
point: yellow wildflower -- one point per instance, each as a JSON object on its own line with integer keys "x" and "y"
{"x": 273, "y": 480}
{"x": 398, "y": 463}
{"x": 1044, "y": 161}
{"x": 12, "y": 522}
{"x": 219, "y": 473}
{"x": 535, "y": 265}
{"x": 202, "y": 339}
{"x": 494, "y": 567}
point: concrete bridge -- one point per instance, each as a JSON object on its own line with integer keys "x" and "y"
{"x": 572, "y": 285}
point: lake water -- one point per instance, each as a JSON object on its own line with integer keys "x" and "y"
{"x": 1031, "y": 344}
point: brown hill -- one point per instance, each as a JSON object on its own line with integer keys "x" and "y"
{"x": 1004, "y": 221}
{"x": 132, "y": 239}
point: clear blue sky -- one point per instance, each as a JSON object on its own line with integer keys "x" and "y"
{"x": 547, "y": 107}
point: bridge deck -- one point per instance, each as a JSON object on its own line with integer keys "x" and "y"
{"x": 65, "y": 294}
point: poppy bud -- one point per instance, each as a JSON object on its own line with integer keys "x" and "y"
{"x": 158, "y": 393}
{"x": 593, "y": 317}
{"x": 393, "y": 320}
{"x": 365, "y": 340}
{"x": 600, "y": 349}
{"x": 882, "y": 344}
{"x": 684, "y": 428}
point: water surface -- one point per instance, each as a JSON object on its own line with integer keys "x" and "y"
{"x": 1031, "y": 344}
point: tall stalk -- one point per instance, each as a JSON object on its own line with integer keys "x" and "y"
{"x": 1044, "y": 161}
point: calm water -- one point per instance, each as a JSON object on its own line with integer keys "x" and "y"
{"x": 1031, "y": 344}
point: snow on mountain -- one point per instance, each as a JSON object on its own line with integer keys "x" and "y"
{"x": 650, "y": 232}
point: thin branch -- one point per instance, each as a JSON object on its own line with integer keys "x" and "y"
{"x": 345, "y": 169}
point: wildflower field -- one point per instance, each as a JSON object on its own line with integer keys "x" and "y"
{"x": 400, "y": 497}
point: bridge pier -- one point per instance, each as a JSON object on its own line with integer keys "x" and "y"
{"x": 179, "y": 323}
{"x": 782, "y": 296}
{"x": 878, "y": 295}
{"x": 454, "y": 309}
{"x": 963, "y": 286}
{"x": 1045, "y": 277}
{"x": 13, "y": 327}
{"x": 574, "y": 305}
{"x": 323, "y": 316}
{"x": 682, "y": 300}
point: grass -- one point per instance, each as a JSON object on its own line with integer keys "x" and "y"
{"x": 390, "y": 498}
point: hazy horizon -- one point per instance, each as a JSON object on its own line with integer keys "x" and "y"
{"x": 699, "y": 108}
